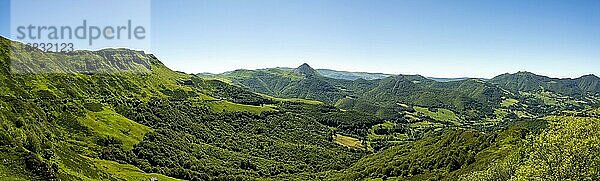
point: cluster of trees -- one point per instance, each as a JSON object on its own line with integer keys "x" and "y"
{"x": 350, "y": 123}
{"x": 192, "y": 142}
{"x": 569, "y": 149}
{"x": 431, "y": 157}
{"x": 554, "y": 148}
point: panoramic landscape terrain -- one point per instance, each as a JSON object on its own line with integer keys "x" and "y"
{"x": 120, "y": 114}
{"x": 299, "y": 90}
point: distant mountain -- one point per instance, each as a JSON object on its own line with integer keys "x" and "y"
{"x": 530, "y": 82}
{"x": 361, "y": 91}
{"x": 461, "y": 96}
{"x": 301, "y": 82}
{"x": 589, "y": 83}
{"x": 346, "y": 75}
{"x": 381, "y": 93}
{"x": 351, "y": 75}
{"x": 306, "y": 71}
{"x": 448, "y": 79}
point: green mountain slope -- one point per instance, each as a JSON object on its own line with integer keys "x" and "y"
{"x": 303, "y": 82}
{"x": 529, "y": 82}
{"x": 472, "y": 99}
{"x": 377, "y": 96}
{"x": 463, "y": 96}
{"x": 66, "y": 122}
{"x": 556, "y": 147}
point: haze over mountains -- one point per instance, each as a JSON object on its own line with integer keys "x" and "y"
{"x": 525, "y": 81}
{"x": 119, "y": 114}
{"x": 346, "y": 75}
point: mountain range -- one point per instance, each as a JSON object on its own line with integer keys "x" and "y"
{"x": 119, "y": 114}
{"x": 386, "y": 91}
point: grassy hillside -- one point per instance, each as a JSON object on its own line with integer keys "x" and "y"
{"x": 106, "y": 123}
{"x": 90, "y": 123}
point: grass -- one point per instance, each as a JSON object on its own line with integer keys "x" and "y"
{"x": 297, "y": 100}
{"x": 547, "y": 97}
{"x": 443, "y": 115}
{"x": 388, "y": 125}
{"x": 411, "y": 117}
{"x": 305, "y": 101}
{"x": 403, "y": 105}
{"x": 73, "y": 166}
{"x": 500, "y": 113}
{"x": 109, "y": 123}
{"x": 499, "y": 116}
{"x": 508, "y": 102}
{"x": 347, "y": 141}
{"x": 522, "y": 114}
{"x": 389, "y": 138}
{"x": 77, "y": 167}
{"x": 547, "y": 100}
{"x": 213, "y": 77}
{"x": 126, "y": 172}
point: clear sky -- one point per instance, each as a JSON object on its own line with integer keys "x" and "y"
{"x": 473, "y": 38}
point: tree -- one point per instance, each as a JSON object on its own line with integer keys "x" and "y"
{"x": 569, "y": 150}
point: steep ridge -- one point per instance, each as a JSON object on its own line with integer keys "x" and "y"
{"x": 589, "y": 83}
{"x": 302, "y": 82}
{"x": 306, "y": 71}
{"x": 30, "y": 60}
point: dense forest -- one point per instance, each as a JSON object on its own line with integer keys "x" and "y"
{"x": 119, "y": 114}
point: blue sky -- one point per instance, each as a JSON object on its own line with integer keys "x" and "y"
{"x": 474, "y": 38}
